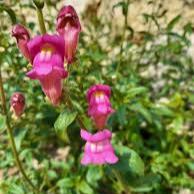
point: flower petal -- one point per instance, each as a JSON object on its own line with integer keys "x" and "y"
{"x": 52, "y": 88}
{"x": 35, "y": 45}
{"x": 98, "y": 87}
{"x": 110, "y": 157}
{"x": 32, "y": 74}
{"x": 71, "y": 37}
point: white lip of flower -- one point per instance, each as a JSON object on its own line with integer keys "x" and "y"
{"x": 99, "y": 97}
{"x": 96, "y": 147}
{"x": 15, "y": 98}
{"x": 45, "y": 55}
{"x": 46, "y": 52}
{"x": 68, "y": 15}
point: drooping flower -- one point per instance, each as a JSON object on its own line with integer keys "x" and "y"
{"x": 68, "y": 26}
{"x": 99, "y": 104}
{"x": 17, "y": 103}
{"x": 98, "y": 148}
{"x": 22, "y": 37}
{"x": 47, "y": 53}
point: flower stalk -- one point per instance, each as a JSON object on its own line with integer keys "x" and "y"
{"x": 41, "y": 20}
{"x": 11, "y": 138}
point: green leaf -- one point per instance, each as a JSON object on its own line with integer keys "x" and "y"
{"x": 94, "y": 174}
{"x": 163, "y": 111}
{"x": 191, "y": 166}
{"x": 124, "y": 6}
{"x": 188, "y": 29}
{"x": 176, "y": 45}
{"x": 145, "y": 184}
{"x": 63, "y": 121}
{"x": 2, "y": 122}
{"x": 177, "y": 124}
{"x": 121, "y": 115}
{"x": 10, "y": 12}
{"x": 52, "y": 174}
{"x": 148, "y": 17}
{"x": 176, "y": 101}
{"x": 139, "y": 108}
{"x": 173, "y": 22}
{"x": 15, "y": 189}
{"x": 66, "y": 183}
{"x": 85, "y": 188}
{"x": 136, "y": 164}
{"x": 19, "y": 135}
{"x": 135, "y": 91}
{"x": 129, "y": 161}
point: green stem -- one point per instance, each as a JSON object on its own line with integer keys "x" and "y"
{"x": 123, "y": 38}
{"x": 41, "y": 20}
{"x": 120, "y": 179}
{"x": 70, "y": 105}
{"x": 11, "y": 138}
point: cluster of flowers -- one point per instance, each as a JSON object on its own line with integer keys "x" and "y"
{"x": 47, "y": 54}
{"x": 98, "y": 148}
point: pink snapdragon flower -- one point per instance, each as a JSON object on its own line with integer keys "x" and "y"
{"x": 99, "y": 104}
{"x": 17, "y": 103}
{"x": 22, "y": 37}
{"x": 98, "y": 148}
{"x": 47, "y": 54}
{"x": 68, "y": 26}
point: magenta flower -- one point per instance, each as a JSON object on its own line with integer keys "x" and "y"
{"x": 99, "y": 104}
{"x": 98, "y": 149}
{"x": 17, "y": 103}
{"x": 47, "y": 53}
{"x": 69, "y": 27}
{"x": 22, "y": 37}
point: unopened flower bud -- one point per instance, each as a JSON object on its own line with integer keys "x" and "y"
{"x": 69, "y": 27}
{"x": 17, "y": 103}
{"x": 39, "y": 3}
{"x": 22, "y": 37}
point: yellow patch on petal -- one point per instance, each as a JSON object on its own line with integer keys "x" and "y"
{"x": 46, "y": 52}
{"x": 48, "y": 47}
{"x": 99, "y": 95}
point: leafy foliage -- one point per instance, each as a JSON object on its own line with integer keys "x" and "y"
{"x": 151, "y": 75}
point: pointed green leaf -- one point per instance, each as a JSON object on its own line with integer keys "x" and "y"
{"x": 19, "y": 135}
{"x": 94, "y": 174}
{"x": 9, "y": 11}
{"x": 135, "y": 91}
{"x": 66, "y": 183}
{"x": 173, "y": 22}
{"x": 63, "y": 121}
{"x": 129, "y": 161}
{"x": 85, "y": 188}
{"x": 137, "y": 107}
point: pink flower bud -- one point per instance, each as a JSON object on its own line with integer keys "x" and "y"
{"x": 98, "y": 148}
{"x": 22, "y": 37}
{"x": 17, "y": 103}
{"x": 68, "y": 26}
{"x": 99, "y": 104}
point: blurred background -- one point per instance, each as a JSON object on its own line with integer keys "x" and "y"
{"x": 143, "y": 49}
